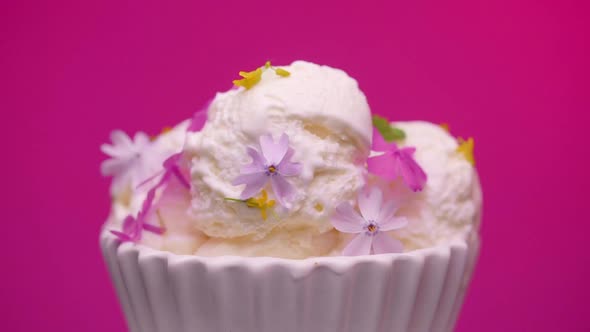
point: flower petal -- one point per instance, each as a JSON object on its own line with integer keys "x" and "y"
{"x": 181, "y": 178}
{"x": 254, "y": 182}
{"x": 282, "y": 189}
{"x": 141, "y": 139}
{"x": 385, "y": 166}
{"x": 128, "y": 224}
{"x": 274, "y": 153}
{"x": 257, "y": 164}
{"x": 380, "y": 144}
{"x": 288, "y": 168}
{"x": 122, "y": 236}
{"x": 119, "y": 138}
{"x": 113, "y": 167}
{"x": 347, "y": 220}
{"x": 383, "y": 244}
{"x": 199, "y": 119}
{"x": 113, "y": 151}
{"x": 154, "y": 229}
{"x": 360, "y": 245}
{"x": 413, "y": 175}
{"x": 393, "y": 223}
{"x": 387, "y": 211}
{"x": 370, "y": 203}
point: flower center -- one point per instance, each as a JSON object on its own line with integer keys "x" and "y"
{"x": 371, "y": 228}
{"x": 271, "y": 170}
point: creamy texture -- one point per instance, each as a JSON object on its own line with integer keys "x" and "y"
{"x": 450, "y": 204}
{"x": 328, "y": 122}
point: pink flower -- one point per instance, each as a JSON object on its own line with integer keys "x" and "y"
{"x": 199, "y": 119}
{"x": 375, "y": 219}
{"x": 272, "y": 164}
{"x": 132, "y": 227}
{"x": 171, "y": 168}
{"x": 396, "y": 162}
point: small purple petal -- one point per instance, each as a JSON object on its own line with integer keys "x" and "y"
{"x": 393, "y": 223}
{"x": 112, "y": 150}
{"x": 122, "y": 236}
{"x": 150, "y": 179}
{"x": 198, "y": 120}
{"x": 347, "y": 220}
{"x": 360, "y": 245}
{"x": 119, "y": 138}
{"x": 274, "y": 153}
{"x": 282, "y": 189}
{"x": 288, "y": 168}
{"x": 380, "y": 144}
{"x": 370, "y": 203}
{"x": 409, "y": 150}
{"x": 129, "y": 224}
{"x": 258, "y": 163}
{"x": 112, "y": 167}
{"x": 141, "y": 138}
{"x": 383, "y": 244}
{"x": 254, "y": 183}
{"x": 412, "y": 174}
{"x": 149, "y": 200}
{"x": 173, "y": 161}
{"x": 385, "y": 166}
{"x": 387, "y": 211}
{"x": 178, "y": 174}
{"x": 154, "y": 229}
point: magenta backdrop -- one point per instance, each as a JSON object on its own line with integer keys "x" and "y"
{"x": 513, "y": 74}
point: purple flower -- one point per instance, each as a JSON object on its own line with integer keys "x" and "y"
{"x": 396, "y": 162}
{"x": 375, "y": 219}
{"x": 272, "y": 164}
{"x": 199, "y": 119}
{"x": 171, "y": 168}
{"x": 132, "y": 227}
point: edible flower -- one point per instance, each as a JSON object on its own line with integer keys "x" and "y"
{"x": 133, "y": 226}
{"x": 272, "y": 164}
{"x": 262, "y": 203}
{"x": 466, "y": 149}
{"x": 171, "y": 167}
{"x": 249, "y": 78}
{"x": 279, "y": 71}
{"x": 199, "y": 119}
{"x": 131, "y": 161}
{"x": 395, "y": 162}
{"x": 370, "y": 225}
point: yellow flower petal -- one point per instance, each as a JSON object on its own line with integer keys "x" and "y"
{"x": 446, "y": 127}
{"x": 282, "y": 72}
{"x": 466, "y": 148}
{"x": 249, "y": 78}
{"x": 262, "y": 203}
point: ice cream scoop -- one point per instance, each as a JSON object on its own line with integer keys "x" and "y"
{"x": 327, "y": 121}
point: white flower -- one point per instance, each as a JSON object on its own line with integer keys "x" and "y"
{"x": 132, "y": 161}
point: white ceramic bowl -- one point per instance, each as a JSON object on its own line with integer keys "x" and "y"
{"x": 417, "y": 291}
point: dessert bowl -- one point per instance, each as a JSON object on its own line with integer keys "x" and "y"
{"x": 418, "y": 291}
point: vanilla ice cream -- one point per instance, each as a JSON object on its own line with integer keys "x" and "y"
{"x": 328, "y": 122}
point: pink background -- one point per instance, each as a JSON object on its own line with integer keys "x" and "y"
{"x": 513, "y": 74}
